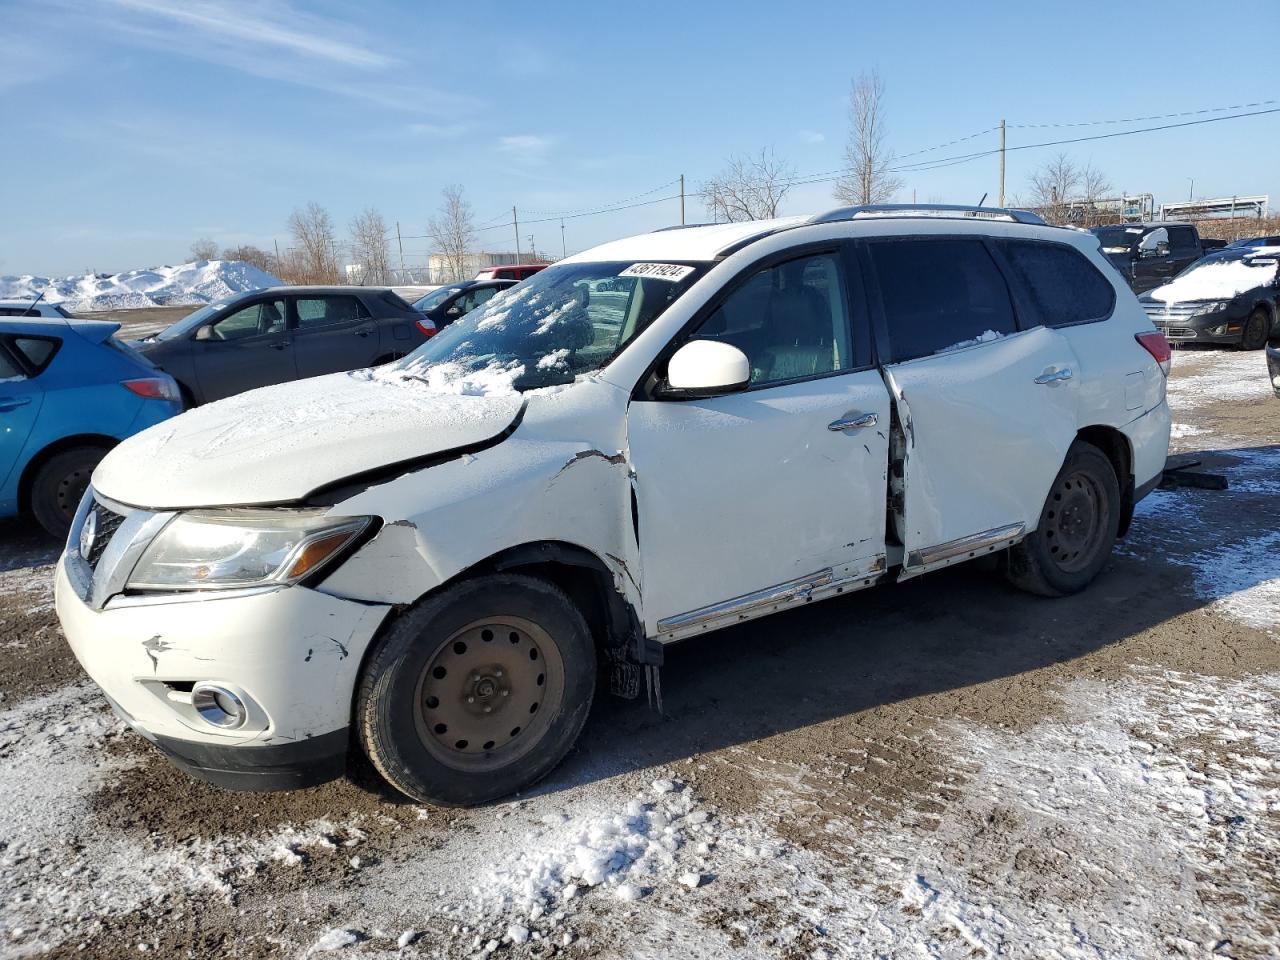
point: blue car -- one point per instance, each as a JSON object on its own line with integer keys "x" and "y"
{"x": 69, "y": 392}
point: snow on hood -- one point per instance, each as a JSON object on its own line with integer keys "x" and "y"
{"x": 203, "y": 281}
{"x": 1218, "y": 279}
{"x": 279, "y": 443}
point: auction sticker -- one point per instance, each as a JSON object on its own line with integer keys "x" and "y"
{"x": 673, "y": 272}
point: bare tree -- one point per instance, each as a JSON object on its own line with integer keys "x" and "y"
{"x": 868, "y": 160}
{"x": 204, "y": 249}
{"x": 1063, "y": 192}
{"x": 749, "y": 188}
{"x": 1094, "y": 186}
{"x": 453, "y": 231}
{"x": 314, "y": 256}
{"x": 248, "y": 253}
{"x": 369, "y": 247}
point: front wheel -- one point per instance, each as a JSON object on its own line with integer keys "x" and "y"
{"x": 1077, "y": 528}
{"x": 478, "y": 691}
{"x": 1256, "y": 330}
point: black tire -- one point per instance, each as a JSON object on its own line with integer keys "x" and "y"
{"x": 58, "y": 486}
{"x": 1256, "y": 330}
{"x": 1077, "y": 529}
{"x": 436, "y": 660}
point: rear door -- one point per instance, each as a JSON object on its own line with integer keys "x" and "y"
{"x": 333, "y": 332}
{"x": 986, "y": 410}
{"x": 249, "y": 347}
{"x": 20, "y": 401}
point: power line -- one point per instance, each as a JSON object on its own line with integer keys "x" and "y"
{"x": 1157, "y": 116}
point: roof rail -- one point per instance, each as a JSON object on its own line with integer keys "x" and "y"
{"x": 682, "y": 226}
{"x": 940, "y": 210}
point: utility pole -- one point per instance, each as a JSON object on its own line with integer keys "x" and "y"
{"x": 564, "y": 251}
{"x": 1001, "y": 162}
{"x": 277, "y": 244}
{"x": 400, "y": 244}
{"x": 515, "y": 225}
{"x": 682, "y": 199}
{"x": 1191, "y": 194}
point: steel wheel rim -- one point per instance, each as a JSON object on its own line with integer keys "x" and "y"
{"x": 1074, "y": 521}
{"x": 488, "y": 693}
{"x": 70, "y": 491}
{"x": 1252, "y": 334}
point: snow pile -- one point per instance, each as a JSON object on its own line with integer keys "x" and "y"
{"x": 1201, "y": 377}
{"x": 203, "y": 281}
{"x": 1217, "y": 280}
{"x": 622, "y": 852}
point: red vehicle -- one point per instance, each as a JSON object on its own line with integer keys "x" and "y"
{"x": 516, "y": 271}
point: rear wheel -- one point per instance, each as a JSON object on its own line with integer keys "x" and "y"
{"x": 478, "y": 691}
{"x": 1256, "y": 330}
{"x": 1077, "y": 529}
{"x": 59, "y": 485}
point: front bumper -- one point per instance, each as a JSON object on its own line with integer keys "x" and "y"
{"x": 1222, "y": 327}
{"x": 292, "y": 655}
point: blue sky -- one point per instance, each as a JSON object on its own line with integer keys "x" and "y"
{"x": 135, "y": 126}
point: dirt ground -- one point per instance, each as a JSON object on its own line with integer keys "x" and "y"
{"x": 945, "y": 768}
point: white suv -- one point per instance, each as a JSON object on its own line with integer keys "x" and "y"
{"x": 647, "y": 441}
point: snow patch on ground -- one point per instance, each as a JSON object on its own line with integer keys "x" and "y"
{"x": 1120, "y": 829}
{"x": 202, "y": 281}
{"x": 1203, "y": 376}
{"x": 60, "y": 869}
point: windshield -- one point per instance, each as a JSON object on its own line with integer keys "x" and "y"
{"x": 1117, "y": 239}
{"x": 561, "y": 322}
{"x": 436, "y": 297}
{"x": 191, "y": 321}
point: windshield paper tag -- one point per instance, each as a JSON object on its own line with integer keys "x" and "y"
{"x": 672, "y": 272}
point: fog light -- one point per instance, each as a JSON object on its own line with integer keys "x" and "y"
{"x": 1219, "y": 330}
{"x": 218, "y": 706}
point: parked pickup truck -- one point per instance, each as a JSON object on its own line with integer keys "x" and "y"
{"x": 1150, "y": 254}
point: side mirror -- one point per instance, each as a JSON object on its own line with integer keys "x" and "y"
{"x": 705, "y": 368}
{"x": 205, "y": 332}
{"x": 1154, "y": 244}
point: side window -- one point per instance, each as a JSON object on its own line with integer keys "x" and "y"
{"x": 259, "y": 318}
{"x": 1064, "y": 287}
{"x": 37, "y": 351}
{"x": 791, "y": 320}
{"x": 1182, "y": 240}
{"x": 8, "y": 367}
{"x": 940, "y": 294}
{"x": 323, "y": 311}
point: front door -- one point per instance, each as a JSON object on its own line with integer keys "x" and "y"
{"x": 20, "y": 401}
{"x": 986, "y": 411}
{"x": 750, "y": 501}
{"x": 249, "y": 347}
{"x": 333, "y": 333}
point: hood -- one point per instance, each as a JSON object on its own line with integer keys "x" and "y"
{"x": 1222, "y": 279}
{"x": 278, "y": 444}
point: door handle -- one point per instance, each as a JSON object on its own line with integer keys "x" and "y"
{"x": 13, "y": 403}
{"x": 1057, "y": 376}
{"x": 853, "y": 423}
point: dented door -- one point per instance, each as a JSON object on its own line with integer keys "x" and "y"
{"x": 984, "y": 430}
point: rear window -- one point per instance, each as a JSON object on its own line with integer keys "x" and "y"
{"x": 394, "y": 301}
{"x": 36, "y": 351}
{"x": 1063, "y": 287}
{"x": 8, "y": 368}
{"x": 940, "y": 295}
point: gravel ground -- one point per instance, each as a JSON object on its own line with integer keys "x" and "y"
{"x": 947, "y": 768}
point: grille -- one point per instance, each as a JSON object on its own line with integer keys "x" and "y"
{"x": 107, "y": 523}
{"x": 1171, "y": 311}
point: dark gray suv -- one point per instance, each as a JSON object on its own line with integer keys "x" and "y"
{"x": 279, "y": 334}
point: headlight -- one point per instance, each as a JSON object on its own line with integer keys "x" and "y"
{"x": 1213, "y": 307}
{"x": 221, "y": 549}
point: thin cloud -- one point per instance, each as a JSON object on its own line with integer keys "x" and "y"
{"x": 277, "y": 26}
{"x": 813, "y": 136}
{"x": 526, "y": 146}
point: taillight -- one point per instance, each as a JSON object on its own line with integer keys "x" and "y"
{"x": 153, "y": 388}
{"x": 1156, "y": 345}
{"x": 426, "y": 328}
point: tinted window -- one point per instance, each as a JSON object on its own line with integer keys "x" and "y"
{"x": 8, "y": 369}
{"x": 323, "y": 311}
{"x": 1063, "y": 286}
{"x": 37, "y": 351}
{"x": 1182, "y": 240}
{"x": 264, "y": 317}
{"x": 473, "y": 298}
{"x": 940, "y": 294}
{"x": 791, "y": 320}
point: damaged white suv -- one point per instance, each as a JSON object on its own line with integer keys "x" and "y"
{"x": 433, "y": 561}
